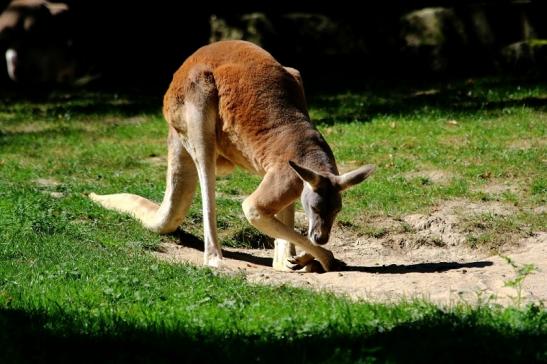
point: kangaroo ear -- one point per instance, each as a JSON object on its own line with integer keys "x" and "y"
{"x": 56, "y": 8}
{"x": 307, "y": 175}
{"x": 354, "y": 177}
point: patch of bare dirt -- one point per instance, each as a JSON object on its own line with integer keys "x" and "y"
{"x": 529, "y": 143}
{"x": 455, "y": 141}
{"x": 434, "y": 176}
{"x": 27, "y": 128}
{"x": 156, "y": 160}
{"x": 498, "y": 188}
{"x": 419, "y": 256}
{"x": 46, "y": 184}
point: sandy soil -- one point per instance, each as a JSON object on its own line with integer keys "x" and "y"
{"x": 423, "y": 256}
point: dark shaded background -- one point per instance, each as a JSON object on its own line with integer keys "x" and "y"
{"x": 140, "y": 44}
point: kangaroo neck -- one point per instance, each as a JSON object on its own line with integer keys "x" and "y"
{"x": 314, "y": 153}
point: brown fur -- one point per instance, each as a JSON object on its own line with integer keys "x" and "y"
{"x": 261, "y": 107}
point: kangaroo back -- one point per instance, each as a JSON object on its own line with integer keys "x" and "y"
{"x": 262, "y": 114}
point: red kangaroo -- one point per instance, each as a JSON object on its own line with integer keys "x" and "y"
{"x": 232, "y": 104}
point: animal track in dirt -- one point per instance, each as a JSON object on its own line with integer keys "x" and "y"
{"x": 418, "y": 256}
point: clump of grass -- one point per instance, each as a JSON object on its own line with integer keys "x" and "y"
{"x": 406, "y": 227}
{"x": 376, "y": 232}
{"x": 481, "y": 240}
{"x": 494, "y": 232}
{"x": 539, "y": 186}
{"x": 521, "y": 272}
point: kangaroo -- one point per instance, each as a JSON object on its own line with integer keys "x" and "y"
{"x": 232, "y": 104}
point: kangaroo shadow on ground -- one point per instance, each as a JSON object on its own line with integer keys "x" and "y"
{"x": 436, "y": 267}
{"x": 192, "y": 241}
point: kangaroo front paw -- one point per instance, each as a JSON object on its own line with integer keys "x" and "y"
{"x": 305, "y": 262}
{"x": 302, "y": 259}
{"x": 311, "y": 266}
{"x": 326, "y": 258}
{"x": 291, "y": 264}
{"x": 284, "y": 266}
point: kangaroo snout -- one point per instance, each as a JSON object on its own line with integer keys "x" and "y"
{"x": 319, "y": 239}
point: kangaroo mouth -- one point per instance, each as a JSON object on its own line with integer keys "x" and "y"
{"x": 319, "y": 239}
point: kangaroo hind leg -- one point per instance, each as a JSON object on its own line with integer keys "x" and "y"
{"x": 180, "y": 187}
{"x": 200, "y": 115}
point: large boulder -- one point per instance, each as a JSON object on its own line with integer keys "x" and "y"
{"x": 525, "y": 55}
{"x": 431, "y": 36}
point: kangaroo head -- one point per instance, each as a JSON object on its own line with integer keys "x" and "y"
{"x": 321, "y": 197}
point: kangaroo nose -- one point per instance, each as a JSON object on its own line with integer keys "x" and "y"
{"x": 320, "y": 239}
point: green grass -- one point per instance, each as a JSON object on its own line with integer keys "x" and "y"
{"x": 79, "y": 281}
